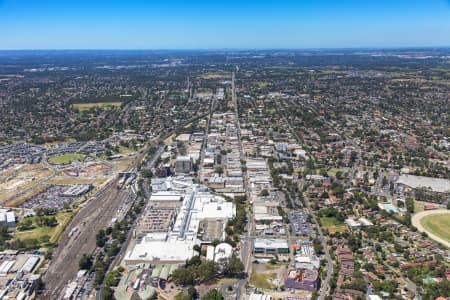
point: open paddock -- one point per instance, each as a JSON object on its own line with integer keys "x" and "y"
{"x": 100, "y": 105}
{"x": 21, "y": 179}
{"x": 333, "y": 225}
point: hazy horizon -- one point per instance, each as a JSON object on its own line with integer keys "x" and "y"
{"x": 223, "y": 25}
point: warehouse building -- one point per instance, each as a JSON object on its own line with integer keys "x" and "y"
{"x": 30, "y": 264}
{"x": 77, "y": 190}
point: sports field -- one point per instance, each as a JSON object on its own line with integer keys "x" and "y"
{"x": 438, "y": 224}
{"x": 101, "y": 105}
{"x": 332, "y": 224}
{"x": 66, "y": 158}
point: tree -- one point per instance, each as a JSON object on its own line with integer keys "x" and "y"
{"x": 107, "y": 293}
{"x": 147, "y": 173}
{"x": 207, "y": 271}
{"x": 264, "y": 193}
{"x": 183, "y": 276}
{"x": 194, "y": 261}
{"x": 318, "y": 248}
{"x": 112, "y": 279}
{"x": 4, "y": 236}
{"x": 233, "y": 267}
{"x": 218, "y": 170}
{"x": 409, "y": 205}
{"x": 26, "y": 224}
{"x": 213, "y": 295}
{"x": 114, "y": 249}
{"x": 45, "y": 239}
{"x": 85, "y": 262}
{"x": 100, "y": 238}
{"x": 192, "y": 292}
{"x": 46, "y": 221}
{"x": 214, "y": 243}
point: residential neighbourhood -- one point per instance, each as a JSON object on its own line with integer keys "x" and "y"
{"x": 229, "y": 175}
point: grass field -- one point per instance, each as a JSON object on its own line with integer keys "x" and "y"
{"x": 170, "y": 138}
{"x": 262, "y": 84}
{"x": 53, "y": 233}
{"x": 125, "y": 150}
{"x": 76, "y": 180}
{"x": 333, "y": 225}
{"x": 66, "y": 158}
{"x": 333, "y": 171}
{"x": 438, "y": 224}
{"x": 101, "y": 105}
{"x": 261, "y": 280}
{"x": 179, "y": 296}
{"x": 419, "y": 206}
{"x": 123, "y": 163}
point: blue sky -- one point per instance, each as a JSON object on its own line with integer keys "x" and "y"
{"x": 170, "y": 24}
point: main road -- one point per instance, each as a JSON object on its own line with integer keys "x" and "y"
{"x": 326, "y": 283}
{"x": 246, "y": 238}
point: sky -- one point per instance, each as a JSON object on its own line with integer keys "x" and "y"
{"x": 217, "y": 24}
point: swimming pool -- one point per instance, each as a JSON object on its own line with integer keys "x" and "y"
{"x": 390, "y": 208}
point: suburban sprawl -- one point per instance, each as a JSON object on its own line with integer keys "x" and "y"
{"x": 294, "y": 175}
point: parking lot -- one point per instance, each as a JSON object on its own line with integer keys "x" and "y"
{"x": 299, "y": 223}
{"x": 50, "y": 198}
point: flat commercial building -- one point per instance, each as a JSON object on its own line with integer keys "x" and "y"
{"x": 438, "y": 185}
{"x": 7, "y": 218}
{"x": 77, "y": 190}
{"x": 266, "y": 211}
{"x": 270, "y": 246}
{"x": 6, "y": 266}
{"x": 177, "y": 244}
{"x": 255, "y": 296}
{"x": 166, "y": 196}
{"x": 158, "y": 250}
{"x": 183, "y": 165}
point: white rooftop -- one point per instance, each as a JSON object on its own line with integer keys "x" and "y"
{"x": 440, "y": 185}
{"x": 166, "y": 196}
{"x": 255, "y": 296}
{"x": 222, "y": 251}
{"x": 153, "y": 250}
{"x": 270, "y": 243}
{"x": 198, "y": 204}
